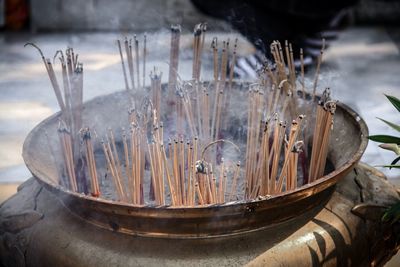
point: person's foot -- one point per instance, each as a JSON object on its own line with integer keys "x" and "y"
{"x": 312, "y": 43}
{"x": 246, "y": 67}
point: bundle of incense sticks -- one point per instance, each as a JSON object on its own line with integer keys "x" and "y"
{"x": 156, "y": 90}
{"x": 91, "y": 163}
{"x": 132, "y": 59}
{"x": 70, "y": 99}
{"x": 323, "y": 127}
{"x": 189, "y": 167}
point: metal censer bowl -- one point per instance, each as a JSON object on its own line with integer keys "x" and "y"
{"x": 348, "y": 142}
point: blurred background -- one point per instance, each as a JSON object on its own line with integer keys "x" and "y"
{"x": 360, "y": 66}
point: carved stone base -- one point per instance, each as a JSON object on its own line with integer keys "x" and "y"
{"x": 37, "y": 230}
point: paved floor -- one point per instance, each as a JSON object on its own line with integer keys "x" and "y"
{"x": 362, "y": 65}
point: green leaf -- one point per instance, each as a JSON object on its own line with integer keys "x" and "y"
{"x": 395, "y": 101}
{"x": 385, "y": 217}
{"x": 392, "y": 213}
{"x": 391, "y": 147}
{"x": 389, "y": 166}
{"x": 395, "y": 161}
{"x": 385, "y": 139}
{"x": 391, "y": 124}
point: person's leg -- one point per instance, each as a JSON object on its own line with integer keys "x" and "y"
{"x": 302, "y": 22}
{"x": 265, "y": 21}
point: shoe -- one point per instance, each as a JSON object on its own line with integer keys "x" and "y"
{"x": 246, "y": 67}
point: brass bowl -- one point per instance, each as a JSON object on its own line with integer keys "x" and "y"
{"x": 348, "y": 142}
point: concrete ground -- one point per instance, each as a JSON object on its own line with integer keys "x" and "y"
{"x": 362, "y": 65}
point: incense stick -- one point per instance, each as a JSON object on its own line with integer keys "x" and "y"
{"x": 302, "y": 73}
{"x": 174, "y": 60}
{"x": 136, "y": 43}
{"x": 319, "y": 60}
{"x": 123, "y": 64}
